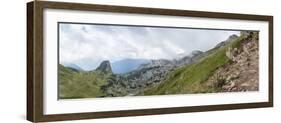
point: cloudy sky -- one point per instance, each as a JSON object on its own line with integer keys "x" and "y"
{"x": 88, "y": 45}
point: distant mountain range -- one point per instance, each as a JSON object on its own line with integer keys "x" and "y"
{"x": 118, "y": 67}
{"x": 74, "y": 66}
{"x": 127, "y": 65}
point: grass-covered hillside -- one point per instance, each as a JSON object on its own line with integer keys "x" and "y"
{"x": 80, "y": 84}
{"x": 191, "y": 78}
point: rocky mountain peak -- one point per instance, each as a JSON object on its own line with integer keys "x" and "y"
{"x": 231, "y": 38}
{"x": 105, "y": 67}
{"x": 195, "y": 53}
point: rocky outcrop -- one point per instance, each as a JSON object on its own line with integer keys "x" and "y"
{"x": 105, "y": 67}
{"x": 232, "y": 53}
{"x": 134, "y": 82}
{"x": 241, "y": 74}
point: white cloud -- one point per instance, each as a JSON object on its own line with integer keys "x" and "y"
{"x": 88, "y": 45}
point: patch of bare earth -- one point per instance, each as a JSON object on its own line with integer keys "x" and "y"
{"x": 241, "y": 74}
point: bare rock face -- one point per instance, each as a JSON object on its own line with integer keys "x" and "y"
{"x": 105, "y": 67}
{"x": 232, "y": 53}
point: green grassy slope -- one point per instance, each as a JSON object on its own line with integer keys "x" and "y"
{"x": 79, "y": 84}
{"x": 189, "y": 79}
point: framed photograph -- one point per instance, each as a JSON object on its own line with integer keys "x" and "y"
{"x": 96, "y": 61}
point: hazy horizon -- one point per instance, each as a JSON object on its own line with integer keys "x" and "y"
{"x": 88, "y": 45}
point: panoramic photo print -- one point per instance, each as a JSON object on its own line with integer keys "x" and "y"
{"x": 101, "y": 60}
